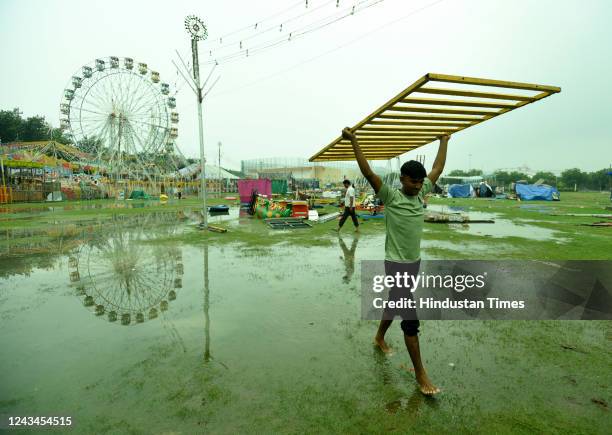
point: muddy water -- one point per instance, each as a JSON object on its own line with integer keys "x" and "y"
{"x": 500, "y": 229}
{"x": 127, "y": 335}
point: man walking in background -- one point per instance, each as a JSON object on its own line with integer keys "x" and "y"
{"x": 349, "y": 206}
{"x": 404, "y": 226}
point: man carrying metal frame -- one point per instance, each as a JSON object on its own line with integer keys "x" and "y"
{"x": 404, "y": 227}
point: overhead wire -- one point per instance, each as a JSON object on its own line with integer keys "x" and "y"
{"x": 325, "y": 53}
{"x": 278, "y": 27}
{"x": 296, "y": 33}
{"x": 256, "y": 24}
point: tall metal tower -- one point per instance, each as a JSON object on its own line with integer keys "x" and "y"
{"x": 197, "y": 31}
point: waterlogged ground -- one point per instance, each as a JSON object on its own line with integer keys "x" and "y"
{"x": 258, "y": 330}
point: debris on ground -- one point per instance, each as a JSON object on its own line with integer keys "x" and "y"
{"x": 443, "y": 218}
{"x": 602, "y": 403}
{"x": 597, "y": 215}
{"x": 572, "y": 347}
{"x": 287, "y": 223}
{"x": 598, "y": 224}
{"x": 328, "y": 217}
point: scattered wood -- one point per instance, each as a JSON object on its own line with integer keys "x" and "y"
{"x": 597, "y": 215}
{"x": 328, "y": 217}
{"x": 438, "y": 218}
{"x": 572, "y": 347}
{"x": 600, "y": 402}
{"x": 598, "y": 224}
{"x": 213, "y": 228}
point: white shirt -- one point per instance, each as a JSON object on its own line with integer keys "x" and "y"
{"x": 350, "y": 193}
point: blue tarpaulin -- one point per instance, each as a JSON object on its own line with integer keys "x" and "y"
{"x": 535, "y": 192}
{"x": 460, "y": 191}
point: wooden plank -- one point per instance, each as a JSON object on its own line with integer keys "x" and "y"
{"x": 416, "y": 124}
{"x": 433, "y": 110}
{"x": 487, "y": 82}
{"x": 376, "y": 146}
{"x": 393, "y": 139}
{"x": 366, "y": 134}
{"x": 459, "y": 103}
{"x": 378, "y": 111}
{"x": 404, "y": 134}
{"x": 429, "y": 117}
{"x": 405, "y": 130}
{"x": 462, "y": 93}
{"x": 382, "y": 145}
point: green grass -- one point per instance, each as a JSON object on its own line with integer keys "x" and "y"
{"x": 571, "y": 241}
{"x": 289, "y": 352}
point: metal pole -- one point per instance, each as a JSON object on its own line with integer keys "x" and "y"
{"x": 219, "y": 170}
{"x": 196, "y": 77}
{"x": 206, "y": 308}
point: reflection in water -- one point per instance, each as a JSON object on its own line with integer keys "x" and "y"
{"x": 206, "y": 307}
{"x": 349, "y": 258}
{"x": 387, "y": 370}
{"x": 121, "y": 275}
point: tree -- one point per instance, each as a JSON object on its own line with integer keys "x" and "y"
{"x": 10, "y": 125}
{"x": 573, "y": 178}
{"x": 35, "y": 128}
{"x": 462, "y": 173}
{"x": 91, "y": 145}
{"x": 58, "y": 136}
{"x": 504, "y": 178}
{"x": 599, "y": 180}
{"x": 548, "y": 177}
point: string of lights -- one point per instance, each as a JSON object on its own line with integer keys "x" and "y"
{"x": 325, "y": 53}
{"x": 296, "y": 33}
{"x": 261, "y": 26}
{"x": 242, "y": 42}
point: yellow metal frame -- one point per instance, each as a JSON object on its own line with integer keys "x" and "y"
{"x": 420, "y": 114}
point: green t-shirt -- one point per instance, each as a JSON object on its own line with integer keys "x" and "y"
{"x": 404, "y": 220}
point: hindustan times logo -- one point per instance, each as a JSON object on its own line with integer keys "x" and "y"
{"x": 405, "y": 280}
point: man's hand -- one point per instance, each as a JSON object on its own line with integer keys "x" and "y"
{"x": 440, "y": 161}
{"x": 348, "y": 134}
{"x": 364, "y": 166}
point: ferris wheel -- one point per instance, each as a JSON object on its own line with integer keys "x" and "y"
{"x": 119, "y": 275}
{"x": 119, "y": 111}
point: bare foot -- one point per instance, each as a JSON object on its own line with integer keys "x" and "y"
{"x": 382, "y": 345}
{"x": 425, "y": 385}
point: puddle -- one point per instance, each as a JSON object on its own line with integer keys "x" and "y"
{"x": 500, "y": 229}
{"x": 165, "y": 337}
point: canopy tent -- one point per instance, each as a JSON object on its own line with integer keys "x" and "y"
{"x": 139, "y": 194}
{"x": 279, "y": 186}
{"x": 485, "y": 191}
{"x": 263, "y": 186}
{"x": 539, "y": 192}
{"x": 409, "y": 120}
{"x": 461, "y": 191}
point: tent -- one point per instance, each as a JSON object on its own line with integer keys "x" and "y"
{"x": 484, "y": 190}
{"x": 460, "y": 191}
{"x": 246, "y": 187}
{"x": 139, "y": 194}
{"x": 533, "y": 192}
{"x": 279, "y": 186}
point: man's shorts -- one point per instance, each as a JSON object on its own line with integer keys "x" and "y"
{"x": 410, "y": 322}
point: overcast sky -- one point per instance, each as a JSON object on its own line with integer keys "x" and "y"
{"x": 293, "y": 99}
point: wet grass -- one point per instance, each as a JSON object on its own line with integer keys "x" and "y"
{"x": 288, "y": 351}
